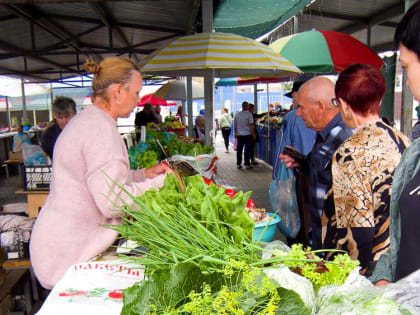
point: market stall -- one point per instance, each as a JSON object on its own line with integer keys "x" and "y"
{"x": 202, "y": 253}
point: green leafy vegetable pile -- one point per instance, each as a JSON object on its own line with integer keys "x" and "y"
{"x": 183, "y": 289}
{"x": 321, "y": 273}
{"x": 170, "y": 118}
{"x": 146, "y": 159}
{"x": 191, "y": 149}
{"x": 171, "y": 145}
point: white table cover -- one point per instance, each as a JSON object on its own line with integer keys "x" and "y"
{"x": 92, "y": 288}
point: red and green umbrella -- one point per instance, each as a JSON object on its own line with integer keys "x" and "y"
{"x": 324, "y": 51}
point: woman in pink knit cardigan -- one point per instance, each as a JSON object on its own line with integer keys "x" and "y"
{"x": 90, "y": 162}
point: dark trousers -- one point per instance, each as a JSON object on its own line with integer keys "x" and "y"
{"x": 225, "y": 134}
{"x": 244, "y": 141}
{"x": 253, "y": 145}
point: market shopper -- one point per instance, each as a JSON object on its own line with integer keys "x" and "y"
{"x": 226, "y": 126}
{"x": 356, "y": 214}
{"x": 319, "y": 114}
{"x": 64, "y": 109}
{"x": 244, "y": 132}
{"x": 156, "y": 112}
{"x": 255, "y": 116}
{"x": 143, "y": 118}
{"x": 294, "y": 133}
{"x": 403, "y": 256}
{"x": 91, "y": 175}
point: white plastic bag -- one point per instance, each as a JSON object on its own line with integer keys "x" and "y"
{"x": 406, "y": 291}
{"x": 34, "y": 155}
{"x": 357, "y": 296}
{"x": 292, "y": 281}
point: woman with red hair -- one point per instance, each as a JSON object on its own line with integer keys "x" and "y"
{"x": 356, "y": 217}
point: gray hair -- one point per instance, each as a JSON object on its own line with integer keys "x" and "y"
{"x": 63, "y": 106}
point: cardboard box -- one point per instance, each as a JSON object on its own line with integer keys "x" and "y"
{"x": 16, "y": 156}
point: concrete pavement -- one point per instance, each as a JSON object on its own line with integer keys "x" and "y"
{"x": 257, "y": 179}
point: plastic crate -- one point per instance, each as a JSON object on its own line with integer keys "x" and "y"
{"x": 38, "y": 177}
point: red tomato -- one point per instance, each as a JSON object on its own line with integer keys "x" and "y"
{"x": 207, "y": 181}
{"x": 116, "y": 294}
{"x": 251, "y": 204}
{"x": 230, "y": 192}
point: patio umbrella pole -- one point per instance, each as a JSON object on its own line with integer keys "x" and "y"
{"x": 256, "y": 97}
{"x": 208, "y": 106}
{"x": 190, "y": 106}
{"x": 183, "y": 112}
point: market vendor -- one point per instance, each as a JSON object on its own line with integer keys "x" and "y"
{"x": 144, "y": 117}
{"x": 256, "y": 117}
{"x": 64, "y": 109}
{"x": 199, "y": 129}
{"x": 20, "y": 138}
{"x": 91, "y": 175}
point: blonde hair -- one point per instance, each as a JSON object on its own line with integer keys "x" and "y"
{"x": 109, "y": 71}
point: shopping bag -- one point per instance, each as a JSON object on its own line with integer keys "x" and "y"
{"x": 235, "y": 144}
{"x": 283, "y": 200}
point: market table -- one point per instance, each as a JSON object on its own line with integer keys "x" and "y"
{"x": 92, "y": 288}
{"x": 36, "y": 199}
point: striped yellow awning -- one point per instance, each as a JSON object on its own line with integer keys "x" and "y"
{"x": 226, "y": 54}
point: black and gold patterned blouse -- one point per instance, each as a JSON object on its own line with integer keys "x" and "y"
{"x": 356, "y": 216}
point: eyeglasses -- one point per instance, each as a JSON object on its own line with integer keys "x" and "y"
{"x": 335, "y": 102}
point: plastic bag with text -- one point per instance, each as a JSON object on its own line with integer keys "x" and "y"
{"x": 93, "y": 288}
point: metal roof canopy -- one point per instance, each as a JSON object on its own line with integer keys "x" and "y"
{"x": 372, "y": 22}
{"x": 47, "y": 41}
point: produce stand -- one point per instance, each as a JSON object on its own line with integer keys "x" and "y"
{"x": 174, "y": 147}
{"x": 201, "y": 259}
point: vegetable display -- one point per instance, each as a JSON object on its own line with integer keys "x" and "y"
{"x": 183, "y": 148}
{"x": 201, "y": 258}
{"x": 171, "y": 144}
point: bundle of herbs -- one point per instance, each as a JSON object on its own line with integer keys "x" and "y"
{"x": 203, "y": 226}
